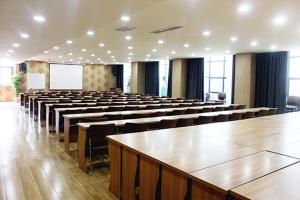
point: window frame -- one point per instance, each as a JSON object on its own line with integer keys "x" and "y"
{"x": 293, "y": 78}
{"x": 12, "y": 73}
{"x": 210, "y": 77}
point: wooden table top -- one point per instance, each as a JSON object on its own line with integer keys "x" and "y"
{"x": 283, "y": 184}
{"x": 157, "y": 119}
{"x": 130, "y": 112}
{"x": 232, "y": 174}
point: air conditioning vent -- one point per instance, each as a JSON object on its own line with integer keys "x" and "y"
{"x": 125, "y": 29}
{"x": 171, "y": 28}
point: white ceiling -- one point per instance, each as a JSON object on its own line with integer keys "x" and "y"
{"x": 70, "y": 19}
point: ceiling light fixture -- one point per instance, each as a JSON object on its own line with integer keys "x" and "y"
{"x": 83, "y": 50}
{"x": 101, "y": 45}
{"x": 233, "y": 39}
{"x": 154, "y": 50}
{"x": 108, "y": 52}
{"x": 130, "y": 47}
{"x": 173, "y": 52}
{"x": 24, "y": 35}
{"x": 80, "y": 58}
{"x": 128, "y": 37}
{"x": 186, "y": 45}
{"x": 70, "y": 53}
{"x": 16, "y": 45}
{"x": 11, "y": 51}
{"x": 92, "y": 55}
{"x": 148, "y": 55}
{"x": 60, "y": 56}
{"x": 227, "y": 51}
{"x": 98, "y": 58}
{"x": 279, "y": 20}
{"x": 273, "y": 47}
{"x": 56, "y": 48}
{"x": 244, "y": 8}
{"x": 207, "y": 48}
{"x": 69, "y": 41}
{"x": 46, "y": 52}
{"x": 39, "y": 18}
{"x": 130, "y": 54}
{"x": 206, "y": 33}
{"x": 160, "y": 42}
{"x": 90, "y": 33}
{"x": 125, "y": 18}
{"x": 253, "y": 43}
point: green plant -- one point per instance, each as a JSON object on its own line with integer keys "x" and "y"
{"x": 17, "y": 81}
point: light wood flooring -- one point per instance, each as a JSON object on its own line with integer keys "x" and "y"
{"x": 33, "y": 164}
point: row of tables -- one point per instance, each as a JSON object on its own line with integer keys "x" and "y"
{"x": 248, "y": 159}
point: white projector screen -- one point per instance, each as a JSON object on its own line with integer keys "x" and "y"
{"x": 66, "y": 77}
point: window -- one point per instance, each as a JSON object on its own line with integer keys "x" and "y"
{"x": 6, "y": 74}
{"x": 127, "y": 77}
{"x": 163, "y": 77}
{"x": 218, "y": 76}
{"x": 294, "y": 74}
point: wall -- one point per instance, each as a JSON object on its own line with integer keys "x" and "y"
{"x": 179, "y": 78}
{"x": 245, "y": 79}
{"x": 95, "y": 77}
{"x": 7, "y": 93}
{"x": 137, "y": 77}
{"x": 40, "y": 67}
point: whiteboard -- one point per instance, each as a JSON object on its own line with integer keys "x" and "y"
{"x": 36, "y": 81}
{"x": 66, "y": 77}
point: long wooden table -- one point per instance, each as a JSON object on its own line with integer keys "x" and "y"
{"x": 247, "y": 159}
{"x": 83, "y": 127}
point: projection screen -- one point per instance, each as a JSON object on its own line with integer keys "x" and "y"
{"x": 66, "y": 77}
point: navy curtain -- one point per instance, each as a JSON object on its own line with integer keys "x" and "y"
{"x": 271, "y": 80}
{"x": 233, "y": 78}
{"x": 195, "y": 78}
{"x": 152, "y": 78}
{"x": 170, "y": 78}
{"x": 117, "y": 71}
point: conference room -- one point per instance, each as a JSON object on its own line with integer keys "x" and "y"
{"x": 152, "y": 99}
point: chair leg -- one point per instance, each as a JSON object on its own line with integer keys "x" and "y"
{"x": 90, "y": 151}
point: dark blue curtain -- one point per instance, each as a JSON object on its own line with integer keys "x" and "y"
{"x": 152, "y": 78}
{"x": 23, "y": 67}
{"x": 195, "y": 78}
{"x": 271, "y": 80}
{"x": 170, "y": 78}
{"x": 233, "y": 78}
{"x": 117, "y": 71}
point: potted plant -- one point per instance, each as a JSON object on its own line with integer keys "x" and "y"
{"x": 17, "y": 81}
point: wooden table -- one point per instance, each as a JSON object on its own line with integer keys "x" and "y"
{"x": 83, "y": 127}
{"x": 205, "y": 162}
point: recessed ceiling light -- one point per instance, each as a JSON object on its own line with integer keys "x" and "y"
{"x": 24, "y": 35}
{"x": 253, "y": 43}
{"x": 112, "y": 56}
{"x": 39, "y": 18}
{"x": 244, "y": 8}
{"x": 173, "y": 52}
{"x": 233, "y": 39}
{"x": 7, "y": 55}
{"x": 207, "y": 48}
{"x": 101, "y": 61}
{"x": 279, "y": 20}
{"x": 87, "y": 60}
{"x": 193, "y": 54}
{"x": 90, "y": 33}
{"x": 46, "y": 52}
{"x": 83, "y": 50}
{"x": 62, "y": 61}
{"x": 101, "y": 45}
{"x": 146, "y": 59}
{"x": 227, "y": 51}
{"x": 80, "y": 58}
{"x": 11, "y": 51}
{"x": 154, "y": 50}
{"x": 186, "y": 45}
{"x": 98, "y": 58}
{"x": 206, "y": 33}
{"x": 130, "y": 54}
{"x": 60, "y": 56}
{"x": 78, "y": 62}
{"x": 125, "y": 18}
{"x": 167, "y": 57}
{"x": 70, "y": 53}
{"x": 273, "y": 47}
{"x": 130, "y": 47}
{"x": 56, "y": 48}
{"x": 108, "y": 52}
{"x": 70, "y": 59}
{"x": 148, "y": 55}
{"x": 129, "y": 58}
{"x": 160, "y": 42}
{"x": 114, "y": 60}
{"x": 128, "y": 37}
{"x": 16, "y": 45}
{"x": 69, "y": 41}
{"x": 92, "y": 55}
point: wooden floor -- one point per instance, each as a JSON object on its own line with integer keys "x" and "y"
{"x": 33, "y": 165}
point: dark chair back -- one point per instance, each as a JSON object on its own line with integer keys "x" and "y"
{"x": 205, "y": 110}
{"x": 235, "y": 116}
{"x": 216, "y": 109}
{"x": 192, "y": 111}
{"x": 177, "y": 112}
{"x": 203, "y": 120}
{"x": 239, "y": 107}
{"x": 131, "y": 108}
{"x": 221, "y": 118}
{"x": 222, "y": 96}
{"x": 231, "y": 107}
{"x": 273, "y": 111}
{"x": 165, "y": 106}
{"x": 262, "y": 113}
{"x": 149, "y": 107}
{"x": 112, "y": 109}
{"x": 248, "y": 115}
{"x": 158, "y": 114}
{"x": 165, "y": 123}
{"x": 114, "y": 117}
{"x": 184, "y": 122}
{"x": 133, "y": 127}
{"x": 135, "y": 116}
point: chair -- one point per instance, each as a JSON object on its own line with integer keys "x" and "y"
{"x": 133, "y": 127}
{"x": 203, "y": 120}
{"x": 273, "y": 111}
{"x": 221, "y": 118}
{"x": 132, "y": 108}
{"x": 222, "y": 96}
{"x": 177, "y": 112}
{"x": 205, "y": 110}
{"x": 150, "y": 107}
{"x": 192, "y": 111}
{"x": 165, "y": 106}
{"x": 235, "y": 116}
{"x": 231, "y": 107}
{"x": 239, "y": 107}
{"x": 112, "y": 109}
{"x": 166, "y": 123}
{"x": 158, "y": 114}
{"x": 114, "y": 117}
{"x": 262, "y": 113}
{"x": 217, "y": 109}
{"x": 136, "y": 116}
{"x": 292, "y": 103}
{"x": 248, "y": 115}
{"x": 96, "y": 142}
{"x": 184, "y": 122}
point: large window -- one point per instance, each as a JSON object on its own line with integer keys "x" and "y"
{"x": 6, "y": 74}
{"x": 218, "y": 76}
{"x": 127, "y": 77}
{"x": 163, "y": 77}
{"x": 294, "y": 74}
